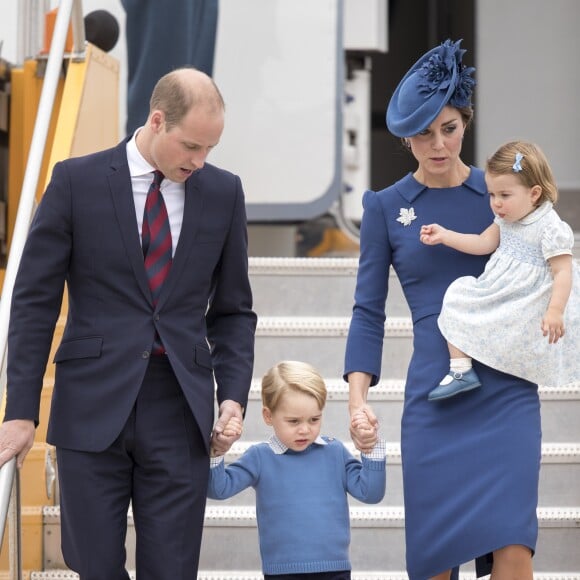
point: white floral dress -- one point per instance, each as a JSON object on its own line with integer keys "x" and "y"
{"x": 496, "y": 318}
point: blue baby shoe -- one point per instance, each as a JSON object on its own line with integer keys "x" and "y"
{"x": 461, "y": 383}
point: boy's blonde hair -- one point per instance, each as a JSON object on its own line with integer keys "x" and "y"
{"x": 292, "y": 376}
{"x": 535, "y": 169}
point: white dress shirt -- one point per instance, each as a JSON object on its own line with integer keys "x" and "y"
{"x": 173, "y": 193}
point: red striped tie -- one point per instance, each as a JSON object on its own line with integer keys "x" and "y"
{"x": 156, "y": 241}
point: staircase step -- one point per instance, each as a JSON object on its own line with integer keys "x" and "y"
{"x": 314, "y": 291}
{"x": 560, "y": 460}
{"x": 560, "y": 466}
{"x": 322, "y": 340}
{"x": 560, "y": 410}
{"x": 31, "y": 533}
{"x": 312, "y": 287}
{"x": 373, "y": 528}
{"x": 254, "y": 575}
{"x": 386, "y": 398}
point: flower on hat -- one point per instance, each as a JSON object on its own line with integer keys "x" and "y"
{"x": 444, "y": 67}
{"x": 463, "y": 88}
{"x": 437, "y": 79}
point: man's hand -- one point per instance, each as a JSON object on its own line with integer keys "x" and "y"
{"x": 228, "y": 427}
{"x": 16, "y": 439}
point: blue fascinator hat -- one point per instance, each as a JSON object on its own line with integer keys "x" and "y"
{"x": 437, "y": 79}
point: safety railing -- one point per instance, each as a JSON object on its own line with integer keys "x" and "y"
{"x": 69, "y": 12}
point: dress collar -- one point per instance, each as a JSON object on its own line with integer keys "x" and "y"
{"x": 538, "y": 213}
{"x": 410, "y": 188}
{"x": 279, "y": 448}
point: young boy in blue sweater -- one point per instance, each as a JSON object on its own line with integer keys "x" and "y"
{"x": 301, "y": 479}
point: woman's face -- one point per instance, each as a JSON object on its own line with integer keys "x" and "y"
{"x": 437, "y": 148}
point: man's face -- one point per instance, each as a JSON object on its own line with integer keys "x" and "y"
{"x": 183, "y": 148}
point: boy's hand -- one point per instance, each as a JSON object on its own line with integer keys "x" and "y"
{"x": 364, "y": 432}
{"x": 228, "y": 428}
{"x": 233, "y": 427}
{"x": 232, "y": 430}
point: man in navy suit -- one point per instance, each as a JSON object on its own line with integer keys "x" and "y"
{"x": 131, "y": 426}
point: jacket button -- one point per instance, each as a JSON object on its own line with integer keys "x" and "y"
{"x": 146, "y": 354}
{"x": 157, "y": 317}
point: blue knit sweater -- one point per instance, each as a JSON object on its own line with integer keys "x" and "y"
{"x": 301, "y": 502}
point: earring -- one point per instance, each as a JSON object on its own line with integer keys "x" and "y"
{"x": 407, "y": 143}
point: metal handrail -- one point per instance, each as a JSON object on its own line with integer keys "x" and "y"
{"x": 9, "y": 485}
{"x": 6, "y": 478}
{"x": 15, "y": 556}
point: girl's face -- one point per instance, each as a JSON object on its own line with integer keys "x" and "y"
{"x": 509, "y": 198}
{"x": 296, "y": 420}
{"x": 437, "y": 148}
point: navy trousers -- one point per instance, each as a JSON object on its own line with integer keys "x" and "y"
{"x": 159, "y": 466}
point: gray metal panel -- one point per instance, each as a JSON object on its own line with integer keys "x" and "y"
{"x": 284, "y": 96}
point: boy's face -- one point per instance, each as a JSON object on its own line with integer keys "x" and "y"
{"x": 296, "y": 421}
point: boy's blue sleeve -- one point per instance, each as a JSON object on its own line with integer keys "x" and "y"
{"x": 227, "y": 481}
{"x": 366, "y": 480}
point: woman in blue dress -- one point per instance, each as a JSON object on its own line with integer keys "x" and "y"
{"x": 470, "y": 463}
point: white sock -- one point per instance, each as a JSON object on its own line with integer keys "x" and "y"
{"x": 456, "y": 365}
{"x": 460, "y": 365}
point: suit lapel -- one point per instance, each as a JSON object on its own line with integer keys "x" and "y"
{"x": 122, "y": 196}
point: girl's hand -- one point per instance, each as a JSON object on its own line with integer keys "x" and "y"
{"x": 364, "y": 428}
{"x": 553, "y": 325}
{"x": 432, "y": 234}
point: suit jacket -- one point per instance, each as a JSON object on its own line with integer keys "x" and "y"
{"x": 85, "y": 233}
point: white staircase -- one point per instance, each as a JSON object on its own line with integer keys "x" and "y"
{"x": 304, "y": 306}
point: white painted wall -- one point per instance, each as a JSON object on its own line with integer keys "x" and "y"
{"x": 8, "y": 24}
{"x": 528, "y": 74}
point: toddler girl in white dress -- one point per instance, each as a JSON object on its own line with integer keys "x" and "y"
{"x": 514, "y": 316}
